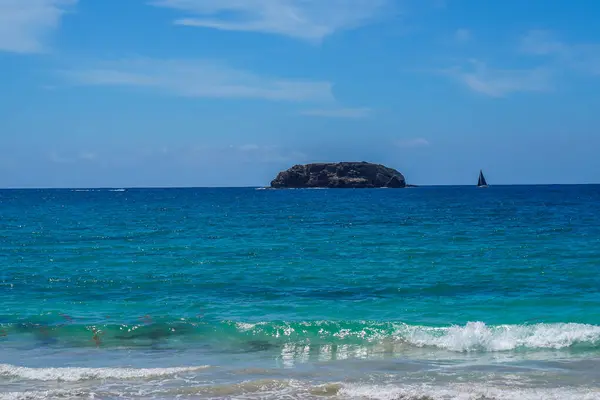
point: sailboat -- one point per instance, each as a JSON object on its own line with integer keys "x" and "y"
{"x": 481, "y": 182}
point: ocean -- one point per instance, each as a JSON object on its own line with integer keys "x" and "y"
{"x": 413, "y": 294}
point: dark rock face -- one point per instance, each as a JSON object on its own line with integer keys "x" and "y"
{"x": 339, "y": 175}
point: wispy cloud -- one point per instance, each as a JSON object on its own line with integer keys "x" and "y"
{"x": 352, "y": 113}
{"x": 538, "y": 42}
{"x": 440, "y": 4}
{"x": 462, "y": 35}
{"x": 501, "y": 82}
{"x": 412, "y": 143}
{"x": 246, "y": 153}
{"x": 583, "y": 57}
{"x": 59, "y": 158}
{"x": 310, "y": 20}
{"x": 268, "y": 154}
{"x": 25, "y": 24}
{"x": 249, "y": 147}
{"x": 87, "y": 156}
{"x": 206, "y": 79}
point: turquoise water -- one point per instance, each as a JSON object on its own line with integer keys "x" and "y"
{"x": 433, "y": 292}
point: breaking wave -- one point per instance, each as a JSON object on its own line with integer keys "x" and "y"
{"x": 477, "y": 336}
{"x": 472, "y": 337}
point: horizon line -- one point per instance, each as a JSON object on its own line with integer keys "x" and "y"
{"x": 268, "y": 187}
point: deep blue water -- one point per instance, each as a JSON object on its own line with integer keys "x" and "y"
{"x": 367, "y": 284}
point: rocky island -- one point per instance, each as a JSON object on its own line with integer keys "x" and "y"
{"x": 339, "y": 175}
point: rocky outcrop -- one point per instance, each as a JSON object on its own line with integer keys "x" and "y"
{"x": 339, "y": 175}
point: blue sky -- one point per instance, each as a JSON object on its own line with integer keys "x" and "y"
{"x": 228, "y": 92}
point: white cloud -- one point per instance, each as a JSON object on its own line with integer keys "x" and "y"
{"x": 338, "y": 112}
{"x": 583, "y": 57}
{"x": 462, "y": 35}
{"x": 58, "y": 158}
{"x": 412, "y": 143}
{"x": 87, "y": 156}
{"x": 206, "y": 79}
{"x": 249, "y": 147}
{"x": 246, "y": 153}
{"x": 440, "y": 4}
{"x": 269, "y": 154}
{"x": 310, "y": 20}
{"x": 25, "y": 24}
{"x": 501, "y": 82}
{"x": 273, "y": 155}
{"x": 539, "y": 42}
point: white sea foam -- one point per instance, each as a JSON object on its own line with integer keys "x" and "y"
{"x": 98, "y": 190}
{"x": 465, "y": 392}
{"x": 477, "y": 336}
{"x": 276, "y": 389}
{"x": 83, "y": 374}
{"x": 293, "y": 389}
{"x": 472, "y": 337}
{"x": 47, "y": 394}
